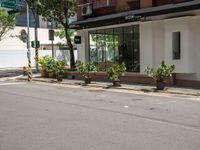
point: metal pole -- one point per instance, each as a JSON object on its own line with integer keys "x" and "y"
{"x": 36, "y": 39}
{"x": 53, "y": 55}
{"x": 28, "y": 44}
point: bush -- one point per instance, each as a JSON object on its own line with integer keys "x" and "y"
{"x": 59, "y": 68}
{"x": 86, "y": 70}
{"x": 116, "y": 71}
{"x": 51, "y": 66}
{"x": 43, "y": 63}
{"x": 163, "y": 71}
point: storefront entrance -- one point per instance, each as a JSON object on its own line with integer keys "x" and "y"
{"x": 115, "y": 45}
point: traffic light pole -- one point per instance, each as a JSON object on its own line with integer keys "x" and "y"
{"x": 28, "y": 44}
{"x": 36, "y": 39}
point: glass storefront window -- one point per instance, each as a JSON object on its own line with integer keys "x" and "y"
{"x": 115, "y": 45}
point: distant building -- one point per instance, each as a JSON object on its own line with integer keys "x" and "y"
{"x": 141, "y": 33}
{"x": 21, "y": 23}
{"x": 13, "y": 51}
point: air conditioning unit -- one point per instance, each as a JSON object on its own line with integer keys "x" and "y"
{"x": 86, "y": 10}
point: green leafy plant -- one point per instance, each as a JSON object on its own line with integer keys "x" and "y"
{"x": 7, "y": 23}
{"x": 60, "y": 11}
{"x": 50, "y": 65}
{"x": 86, "y": 70}
{"x": 159, "y": 74}
{"x": 43, "y": 63}
{"x": 59, "y": 67}
{"x": 116, "y": 71}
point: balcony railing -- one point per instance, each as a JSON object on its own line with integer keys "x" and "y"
{"x": 97, "y": 4}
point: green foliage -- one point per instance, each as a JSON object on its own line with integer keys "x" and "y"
{"x": 59, "y": 67}
{"x": 105, "y": 40}
{"x": 60, "y": 11}
{"x": 61, "y": 33}
{"x": 163, "y": 71}
{"x": 50, "y": 65}
{"x": 7, "y": 23}
{"x": 86, "y": 70}
{"x": 116, "y": 71}
{"x": 43, "y": 63}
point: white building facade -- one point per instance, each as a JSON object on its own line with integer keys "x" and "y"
{"x": 170, "y": 36}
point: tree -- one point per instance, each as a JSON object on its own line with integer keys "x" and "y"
{"x": 60, "y": 11}
{"x": 61, "y": 34}
{"x": 7, "y": 23}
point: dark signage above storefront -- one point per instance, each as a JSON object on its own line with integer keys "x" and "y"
{"x": 77, "y": 39}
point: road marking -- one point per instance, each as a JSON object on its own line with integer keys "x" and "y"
{"x": 15, "y": 83}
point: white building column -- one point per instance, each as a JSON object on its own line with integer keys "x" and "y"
{"x": 83, "y": 48}
{"x": 146, "y": 46}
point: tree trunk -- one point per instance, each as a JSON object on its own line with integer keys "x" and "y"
{"x": 71, "y": 49}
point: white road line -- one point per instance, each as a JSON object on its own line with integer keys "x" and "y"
{"x": 15, "y": 83}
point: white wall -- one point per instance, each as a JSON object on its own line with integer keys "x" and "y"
{"x": 151, "y": 44}
{"x": 194, "y": 49}
{"x": 83, "y": 48}
{"x": 156, "y": 45}
{"x": 18, "y": 58}
{"x": 146, "y": 45}
{"x": 16, "y": 44}
{"x": 182, "y": 25}
{"x": 13, "y": 52}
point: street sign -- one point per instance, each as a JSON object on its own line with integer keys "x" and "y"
{"x": 51, "y": 35}
{"x": 8, "y": 4}
{"x": 35, "y": 44}
{"x": 77, "y": 39}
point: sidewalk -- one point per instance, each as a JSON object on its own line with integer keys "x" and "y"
{"x": 10, "y": 72}
{"x": 106, "y": 85}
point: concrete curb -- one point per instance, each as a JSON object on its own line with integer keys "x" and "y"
{"x": 145, "y": 90}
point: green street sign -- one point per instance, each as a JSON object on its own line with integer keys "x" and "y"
{"x": 35, "y": 44}
{"x": 8, "y": 4}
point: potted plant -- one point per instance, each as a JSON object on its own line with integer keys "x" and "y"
{"x": 87, "y": 71}
{"x": 43, "y": 65}
{"x": 160, "y": 74}
{"x": 58, "y": 69}
{"x": 115, "y": 72}
{"x": 50, "y": 67}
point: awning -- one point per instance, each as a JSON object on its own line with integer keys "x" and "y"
{"x": 135, "y": 15}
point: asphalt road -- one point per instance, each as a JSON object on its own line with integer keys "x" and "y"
{"x": 47, "y": 117}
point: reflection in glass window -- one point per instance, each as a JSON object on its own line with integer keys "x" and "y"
{"x": 115, "y": 45}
